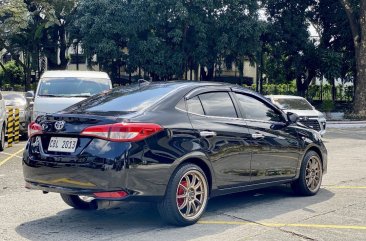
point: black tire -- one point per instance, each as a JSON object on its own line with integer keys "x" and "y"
{"x": 76, "y": 202}
{"x": 24, "y": 136}
{"x": 2, "y": 139}
{"x": 196, "y": 193}
{"x": 311, "y": 174}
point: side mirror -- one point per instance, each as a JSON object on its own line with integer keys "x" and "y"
{"x": 292, "y": 117}
{"x": 29, "y": 94}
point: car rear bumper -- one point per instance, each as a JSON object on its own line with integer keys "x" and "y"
{"x": 123, "y": 171}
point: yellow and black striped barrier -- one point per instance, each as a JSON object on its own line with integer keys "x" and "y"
{"x": 13, "y": 126}
{"x": 16, "y": 126}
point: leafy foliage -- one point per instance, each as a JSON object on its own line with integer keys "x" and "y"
{"x": 166, "y": 38}
{"x": 12, "y": 75}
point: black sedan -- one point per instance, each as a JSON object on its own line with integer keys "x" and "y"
{"x": 175, "y": 143}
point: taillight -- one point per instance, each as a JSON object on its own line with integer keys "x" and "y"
{"x": 34, "y": 129}
{"x": 122, "y": 132}
{"x": 111, "y": 195}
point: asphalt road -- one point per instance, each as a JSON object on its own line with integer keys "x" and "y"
{"x": 338, "y": 212}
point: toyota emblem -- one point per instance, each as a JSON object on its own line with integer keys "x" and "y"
{"x": 59, "y": 125}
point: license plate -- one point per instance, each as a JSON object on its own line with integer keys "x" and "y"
{"x": 62, "y": 144}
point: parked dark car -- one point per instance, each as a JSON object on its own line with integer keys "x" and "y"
{"x": 175, "y": 143}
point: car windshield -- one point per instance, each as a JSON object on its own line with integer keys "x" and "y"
{"x": 292, "y": 104}
{"x": 15, "y": 99}
{"x": 123, "y": 100}
{"x": 72, "y": 87}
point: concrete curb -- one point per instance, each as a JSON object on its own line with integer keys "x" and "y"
{"x": 346, "y": 124}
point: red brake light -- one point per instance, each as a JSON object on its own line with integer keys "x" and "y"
{"x": 34, "y": 129}
{"x": 112, "y": 195}
{"x": 122, "y": 132}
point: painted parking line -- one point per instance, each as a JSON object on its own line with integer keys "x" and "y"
{"x": 9, "y": 154}
{"x": 10, "y": 157}
{"x": 282, "y": 225}
{"x": 345, "y": 187}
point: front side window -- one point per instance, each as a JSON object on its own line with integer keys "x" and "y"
{"x": 218, "y": 104}
{"x": 256, "y": 110}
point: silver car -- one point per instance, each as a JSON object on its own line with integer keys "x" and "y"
{"x": 18, "y": 100}
{"x": 309, "y": 116}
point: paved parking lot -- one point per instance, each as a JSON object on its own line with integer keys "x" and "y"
{"x": 338, "y": 212}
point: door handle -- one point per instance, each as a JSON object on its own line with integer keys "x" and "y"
{"x": 208, "y": 134}
{"x": 257, "y": 136}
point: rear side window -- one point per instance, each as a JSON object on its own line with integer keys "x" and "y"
{"x": 257, "y": 110}
{"x": 218, "y": 104}
{"x": 195, "y": 106}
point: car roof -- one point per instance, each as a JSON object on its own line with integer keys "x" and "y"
{"x": 285, "y": 96}
{"x": 5, "y": 92}
{"x": 191, "y": 85}
{"x": 80, "y": 74}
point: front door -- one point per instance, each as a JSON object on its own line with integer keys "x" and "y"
{"x": 274, "y": 144}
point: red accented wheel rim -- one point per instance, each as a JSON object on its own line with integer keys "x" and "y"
{"x": 181, "y": 191}
{"x": 192, "y": 195}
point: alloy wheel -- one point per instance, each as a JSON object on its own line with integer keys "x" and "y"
{"x": 191, "y": 195}
{"x": 313, "y": 173}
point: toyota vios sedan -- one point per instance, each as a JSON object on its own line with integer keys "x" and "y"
{"x": 175, "y": 143}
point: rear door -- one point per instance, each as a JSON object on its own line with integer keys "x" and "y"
{"x": 274, "y": 145}
{"x": 222, "y": 136}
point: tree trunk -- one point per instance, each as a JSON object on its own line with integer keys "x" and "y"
{"x": 241, "y": 69}
{"x": 210, "y": 73}
{"x": 3, "y": 67}
{"x": 196, "y": 70}
{"x": 334, "y": 90}
{"x": 360, "y": 88}
{"x": 301, "y": 89}
{"x": 358, "y": 27}
{"x": 63, "y": 48}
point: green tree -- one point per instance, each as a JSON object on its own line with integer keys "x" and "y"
{"x": 49, "y": 20}
{"x": 356, "y": 13}
{"x": 336, "y": 46}
{"x": 166, "y": 38}
{"x": 288, "y": 46}
{"x": 12, "y": 74}
{"x": 13, "y": 23}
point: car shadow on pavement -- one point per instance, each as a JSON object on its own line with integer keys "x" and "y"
{"x": 141, "y": 221}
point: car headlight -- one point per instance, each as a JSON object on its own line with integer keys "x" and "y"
{"x": 317, "y": 135}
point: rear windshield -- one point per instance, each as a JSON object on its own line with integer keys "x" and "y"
{"x": 122, "y": 100}
{"x": 72, "y": 87}
{"x": 293, "y": 104}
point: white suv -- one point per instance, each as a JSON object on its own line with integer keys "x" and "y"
{"x": 58, "y": 90}
{"x": 307, "y": 113}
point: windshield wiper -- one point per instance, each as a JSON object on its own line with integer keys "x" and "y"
{"x": 49, "y": 95}
{"x": 80, "y": 95}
